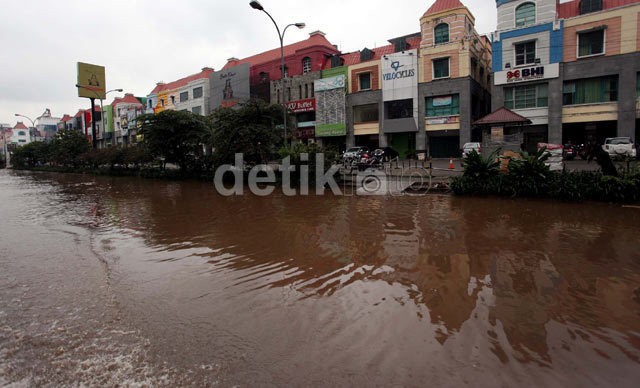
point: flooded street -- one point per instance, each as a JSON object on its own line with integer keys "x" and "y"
{"x": 108, "y": 281}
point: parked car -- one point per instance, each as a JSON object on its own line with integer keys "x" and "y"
{"x": 353, "y": 154}
{"x": 468, "y": 147}
{"x": 569, "y": 152}
{"x": 620, "y": 147}
{"x": 385, "y": 154}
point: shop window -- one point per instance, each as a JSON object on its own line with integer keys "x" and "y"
{"x": 197, "y": 110}
{"x": 526, "y": 96}
{"x": 525, "y": 15}
{"x": 400, "y": 109}
{"x": 441, "y": 68}
{"x": 365, "y": 113}
{"x": 184, "y": 96}
{"x": 590, "y": 91}
{"x": 588, "y": 6}
{"x": 197, "y": 92}
{"x": 591, "y": 43}
{"x": 525, "y": 53}
{"x": 306, "y": 65}
{"x": 364, "y": 81}
{"x": 441, "y": 33}
{"x": 443, "y": 105}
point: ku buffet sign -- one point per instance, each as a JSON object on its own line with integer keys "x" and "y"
{"x": 525, "y": 74}
{"x": 308, "y": 105}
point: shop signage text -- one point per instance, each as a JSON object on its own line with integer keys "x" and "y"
{"x": 308, "y": 105}
{"x": 527, "y": 74}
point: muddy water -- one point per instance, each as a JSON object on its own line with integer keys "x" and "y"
{"x": 122, "y": 281}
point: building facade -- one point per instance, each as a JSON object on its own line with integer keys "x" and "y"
{"x": 454, "y": 90}
{"x": 190, "y": 93}
{"x": 124, "y": 112}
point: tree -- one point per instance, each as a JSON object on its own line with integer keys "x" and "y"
{"x": 175, "y": 136}
{"x": 249, "y": 130}
{"x": 68, "y": 146}
{"x": 30, "y": 155}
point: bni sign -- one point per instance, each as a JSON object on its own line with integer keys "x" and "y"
{"x": 527, "y": 74}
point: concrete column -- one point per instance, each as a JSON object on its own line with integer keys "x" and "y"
{"x": 627, "y": 102}
{"x": 465, "y": 112}
{"x": 554, "y": 91}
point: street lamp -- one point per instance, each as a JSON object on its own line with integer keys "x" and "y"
{"x": 256, "y": 5}
{"x": 101, "y": 107}
{"x": 33, "y": 125}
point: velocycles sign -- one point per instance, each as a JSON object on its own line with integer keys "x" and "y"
{"x": 397, "y": 72}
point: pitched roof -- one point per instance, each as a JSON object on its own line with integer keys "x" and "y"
{"x": 502, "y": 116}
{"x": 443, "y": 5}
{"x": 572, "y": 8}
{"x": 127, "y": 99}
{"x": 354, "y": 57}
{"x": 65, "y": 118}
{"x": 20, "y": 125}
{"x": 205, "y": 73}
{"x": 315, "y": 39}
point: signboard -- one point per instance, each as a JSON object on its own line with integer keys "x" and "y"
{"x": 442, "y": 101}
{"x": 327, "y": 130}
{"x": 91, "y": 81}
{"x": 300, "y": 106}
{"x": 337, "y": 82}
{"x": 524, "y": 74}
{"x": 230, "y": 87}
{"x": 400, "y": 76}
{"x": 443, "y": 120}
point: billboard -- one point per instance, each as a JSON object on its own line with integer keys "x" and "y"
{"x": 230, "y": 87}
{"x": 91, "y": 81}
{"x": 400, "y": 76}
{"x": 324, "y": 84}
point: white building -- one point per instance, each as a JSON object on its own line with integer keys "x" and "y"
{"x": 20, "y": 134}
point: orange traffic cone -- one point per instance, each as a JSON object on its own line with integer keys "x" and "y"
{"x": 451, "y": 166}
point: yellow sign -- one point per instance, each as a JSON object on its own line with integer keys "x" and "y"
{"x": 91, "y": 81}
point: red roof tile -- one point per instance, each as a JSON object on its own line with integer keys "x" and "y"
{"x": 354, "y": 57}
{"x": 20, "y": 125}
{"x": 443, "y": 5}
{"x": 127, "y": 99}
{"x": 205, "y": 73}
{"x": 502, "y": 116}
{"x": 572, "y": 8}
{"x": 65, "y": 118}
{"x": 316, "y": 39}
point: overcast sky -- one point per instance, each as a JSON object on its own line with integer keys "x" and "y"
{"x": 141, "y": 42}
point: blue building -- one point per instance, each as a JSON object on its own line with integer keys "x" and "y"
{"x": 527, "y": 56}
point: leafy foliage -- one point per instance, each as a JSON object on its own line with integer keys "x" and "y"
{"x": 480, "y": 167}
{"x": 67, "y": 148}
{"x": 249, "y": 130}
{"x": 31, "y": 155}
{"x": 175, "y": 136}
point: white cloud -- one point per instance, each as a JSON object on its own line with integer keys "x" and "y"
{"x": 141, "y": 42}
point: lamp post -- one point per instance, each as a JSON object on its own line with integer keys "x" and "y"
{"x": 101, "y": 110}
{"x": 33, "y": 125}
{"x": 256, "y": 5}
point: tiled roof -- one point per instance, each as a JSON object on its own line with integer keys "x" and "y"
{"x": 354, "y": 57}
{"x": 443, "y": 5}
{"x": 20, "y": 125}
{"x": 502, "y": 116}
{"x": 127, "y": 99}
{"x": 65, "y": 118}
{"x": 205, "y": 73}
{"x": 315, "y": 39}
{"x": 572, "y": 8}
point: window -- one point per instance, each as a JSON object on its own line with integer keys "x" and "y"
{"x": 286, "y": 72}
{"x": 197, "y": 92}
{"x": 441, "y": 68}
{"x": 184, "y": 96}
{"x": 588, "y": 6}
{"x": 365, "y": 113}
{"x": 300, "y": 91}
{"x": 526, "y": 96}
{"x": 591, "y": 43}
{"x": 525, "y": 53}
{"x": 441, "y": 33}
{"x": 21, "y": 141}
{"x": 173, "y": 100}
{"x": 306, "y": 65}
{"x": 399, "y": 109}
{"x": 264, "y": 77}
{"x": 443, "y": 105}
{"x": 22, "y": 133}
{"x": 161, "y": 103}
{"x": 638, "y": 85}
{"x": 525, "y": 14}
{"x": 590, "y": 91}
{"x": 279, "y": 98}
{"x": 150, "y": 104}
{"x": 364, "y": 81}
{"x": 306, "y": 90}
{"x": 197, "y": 110}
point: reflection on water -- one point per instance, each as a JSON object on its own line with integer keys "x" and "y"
{"x": 372, "y": 290}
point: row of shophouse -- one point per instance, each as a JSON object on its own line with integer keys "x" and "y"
{"x": 568, "y": 71}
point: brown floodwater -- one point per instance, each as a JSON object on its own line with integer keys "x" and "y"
{"x": 107, "y": 281}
